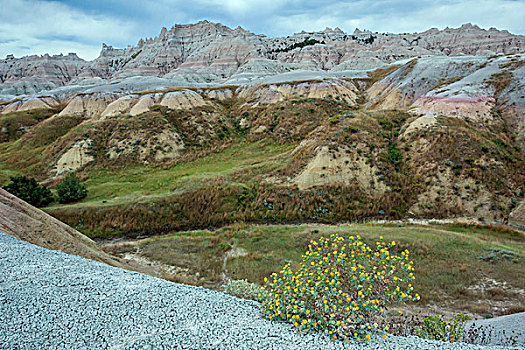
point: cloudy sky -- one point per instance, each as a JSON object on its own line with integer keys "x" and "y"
{"x": 42, "y": 26}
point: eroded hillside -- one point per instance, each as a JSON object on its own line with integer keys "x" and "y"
{"x": 207, "y": 52}
{"x": 427, "y": 137}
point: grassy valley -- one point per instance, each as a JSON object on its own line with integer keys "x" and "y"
{"x": 473, "y": 269}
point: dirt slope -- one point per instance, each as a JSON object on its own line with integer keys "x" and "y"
{"x": 25, "y": 222}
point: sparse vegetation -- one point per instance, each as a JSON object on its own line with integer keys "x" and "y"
{"x": 435, "y": 328}
{"x": 445, "y": 82}
{"x": 500, "y": 81}
{"x": 244, "y": 289}
{"x": 378, "y": 74}
{"x": 14, "y": 125}
{"x": 299, "y": 45}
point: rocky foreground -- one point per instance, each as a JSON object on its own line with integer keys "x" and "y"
{"x": 49, "y": 299}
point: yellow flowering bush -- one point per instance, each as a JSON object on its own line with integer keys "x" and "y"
{"x": 341, "y": 287}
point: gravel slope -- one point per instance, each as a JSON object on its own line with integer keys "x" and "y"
{"x": 501, "y": 328}
{"x": 51, "y": 300}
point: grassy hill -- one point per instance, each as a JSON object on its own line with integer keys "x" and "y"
{"x": 326, "y": 151}
{"x": 350, "y": 166}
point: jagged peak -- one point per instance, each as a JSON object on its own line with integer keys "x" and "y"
{"x": 240, "y": 29}
{"x": 202, "y": 23}
{"x": 469, "y": 26}
{"x": 183, "y": 47}
{"x": 46, "y": 56}
{"x": 357, "y": 31}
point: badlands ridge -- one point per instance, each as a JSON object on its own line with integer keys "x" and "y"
{"x": 444, "y": 108}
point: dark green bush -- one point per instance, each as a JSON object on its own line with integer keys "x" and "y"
{"x": 71, "y": 189}
{"x": 29, "y": 190}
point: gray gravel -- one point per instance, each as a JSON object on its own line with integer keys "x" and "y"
{"x": 51, "y": 300}
{"x": 500, "y": 330}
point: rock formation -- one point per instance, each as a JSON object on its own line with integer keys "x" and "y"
{"x": 208, "y": 52}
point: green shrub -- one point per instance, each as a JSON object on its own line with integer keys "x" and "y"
{"x": 435, "y": 328}
{"x": 394, "y": 155}
{"x": 71, "y": 189}
{"x": 244, "y": 289}
{"x": 341, "y": 287}
{"x": 29, "y": 190}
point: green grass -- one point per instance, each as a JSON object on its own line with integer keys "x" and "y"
{"x": 5, "y": 174}
{"x": 138, "y": 183}
{"x": 490, "y": 233}
{"x": 14, "y": 156}
{"x": 447, "y": 260}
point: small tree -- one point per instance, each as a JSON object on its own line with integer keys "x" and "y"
{"x": 29, "y": 190}
{"x": 71, "y": 189}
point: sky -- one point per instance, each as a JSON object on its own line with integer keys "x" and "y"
{"x": 81, "y": 26}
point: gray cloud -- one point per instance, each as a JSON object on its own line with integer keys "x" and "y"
{"x": 39, "y": 26}
{"x": 52, "y": 27}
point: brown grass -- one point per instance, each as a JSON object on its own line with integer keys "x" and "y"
{"x": 444, "y": 82}
{"x": 182, "y": 88}
{"x": 500, "y": 81}
{"x": 380, "y": 73}
{"x": 4, "y": 103}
